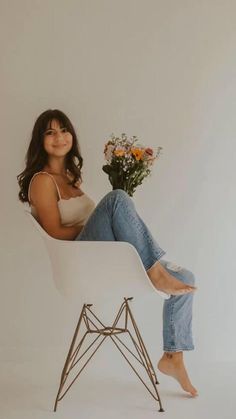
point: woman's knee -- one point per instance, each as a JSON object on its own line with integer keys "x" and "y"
{"x": 117, "y": 193}
{"x": 114, "y": 198}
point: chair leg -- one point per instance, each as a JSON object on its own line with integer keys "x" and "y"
{"x": 73, "y": 355}
{"x": 143, "y": 356}
{"x": 94, "y": 326}
{"x": 68, "y": 358}
{"x": 142, "y": 345}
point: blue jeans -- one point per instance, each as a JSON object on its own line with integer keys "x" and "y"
{"x": 116, "y": 219}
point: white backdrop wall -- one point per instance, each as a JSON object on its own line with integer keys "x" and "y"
{"x": 163, "y": 70}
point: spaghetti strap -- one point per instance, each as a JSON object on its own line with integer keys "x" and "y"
{"x": 58, "y": 191}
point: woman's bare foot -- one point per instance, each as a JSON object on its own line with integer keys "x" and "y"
{"x": 172, "y": 364}
{"x": 167, "y": 283}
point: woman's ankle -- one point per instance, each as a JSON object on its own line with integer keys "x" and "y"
{"x": 174, "y": 356}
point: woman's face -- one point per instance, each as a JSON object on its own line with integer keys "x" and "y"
{"x": 57, "y": 140}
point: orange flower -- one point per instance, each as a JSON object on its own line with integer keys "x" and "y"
{"x": 119, "y": 153}
{"x": 137, "y": 153}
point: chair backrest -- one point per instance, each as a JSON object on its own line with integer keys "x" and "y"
{"x": 96, "y": 271}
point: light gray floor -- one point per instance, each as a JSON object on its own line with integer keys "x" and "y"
{"x": 28, "y": 389}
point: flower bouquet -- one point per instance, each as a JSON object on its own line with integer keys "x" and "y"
{"x": 128, "y": 162}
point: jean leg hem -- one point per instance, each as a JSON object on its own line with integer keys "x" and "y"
{"x": 179, "y": 349}
{"x": 148, "y": 264}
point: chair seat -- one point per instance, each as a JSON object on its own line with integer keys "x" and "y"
{"x": 96, "y": 271}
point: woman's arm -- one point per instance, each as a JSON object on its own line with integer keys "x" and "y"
{"x": 43, "y": 196}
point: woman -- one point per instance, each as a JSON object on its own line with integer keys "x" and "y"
{"x": 51, "y": 183}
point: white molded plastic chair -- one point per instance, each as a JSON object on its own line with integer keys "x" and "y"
{"x": 100, "y": 273}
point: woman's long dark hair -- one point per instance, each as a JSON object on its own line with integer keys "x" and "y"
{"x": 36, "y": 157}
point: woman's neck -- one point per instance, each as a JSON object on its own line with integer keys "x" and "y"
{"x": 56, "y": 167}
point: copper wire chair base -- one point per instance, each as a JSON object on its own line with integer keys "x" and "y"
{"x": 94, "y": 326}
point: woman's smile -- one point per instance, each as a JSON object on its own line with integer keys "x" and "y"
{"x": 59, "y": 145}
{"x": 57, "y": 139}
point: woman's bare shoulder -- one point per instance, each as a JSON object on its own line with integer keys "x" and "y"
{"x": 41, "y": 179}
{"x": 42, "y": 184}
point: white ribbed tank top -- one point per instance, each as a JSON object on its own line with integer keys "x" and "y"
{"x": 73, "y": 211}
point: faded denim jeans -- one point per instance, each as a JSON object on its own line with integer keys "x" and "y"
{"x": 116, "y": 219}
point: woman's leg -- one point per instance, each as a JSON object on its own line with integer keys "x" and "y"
{"x": 177, "y": 313}
{"x": 115, "y": 218}
{"x": 177, "y": 329}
